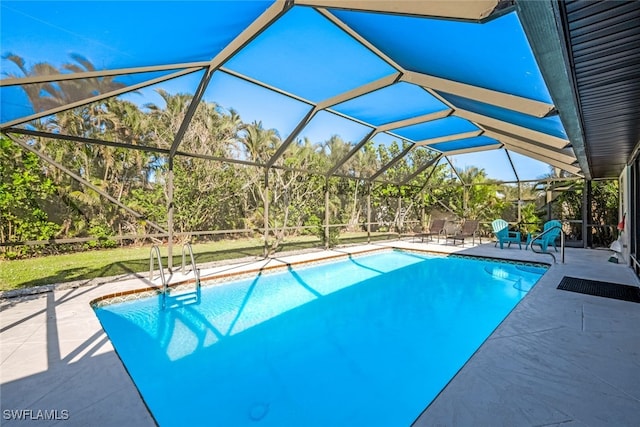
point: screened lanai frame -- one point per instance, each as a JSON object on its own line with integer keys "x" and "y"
{"x": 498, "y": 119}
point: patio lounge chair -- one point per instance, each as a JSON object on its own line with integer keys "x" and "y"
{"x": 549, "y": 239}
{"x": 469, "y": 229}
{"x": 503, "y": 235}
{"x": 435, "y": 229}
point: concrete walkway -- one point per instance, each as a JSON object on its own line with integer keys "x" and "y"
{"x": 559, "y": 358}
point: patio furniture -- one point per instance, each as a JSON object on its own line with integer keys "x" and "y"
{"x": 548, "y": 238}
{"x": 437, "y": 228}
{"x": 503, "y": 235}
{"x": 412, "y": 232}
{"x": 469, "y": 230}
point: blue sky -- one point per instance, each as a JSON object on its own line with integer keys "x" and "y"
{"x": 303, "y": 53}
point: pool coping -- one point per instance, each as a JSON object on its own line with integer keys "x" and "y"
{"x": 217, "y": 279}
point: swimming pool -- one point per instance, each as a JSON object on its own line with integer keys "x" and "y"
{"x": 364, "y": 341}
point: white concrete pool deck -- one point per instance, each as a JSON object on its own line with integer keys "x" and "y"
{"x": 560, "y": 358}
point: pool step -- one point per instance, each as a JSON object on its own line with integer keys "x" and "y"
{"x": 177, "y": 299}
{"x": 502, "y": 274}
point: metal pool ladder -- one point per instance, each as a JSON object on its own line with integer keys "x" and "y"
{"x": 155, "y": 251}
{"x": 196, "y": 272}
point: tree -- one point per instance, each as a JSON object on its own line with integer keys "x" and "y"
{"x": 24, "y": 193}
{"x": 604, "y": 209}
{"x": 258, "y": 143}
{"x": 44, "y": 96}
{"x": 478, "y": 197}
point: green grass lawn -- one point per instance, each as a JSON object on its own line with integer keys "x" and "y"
{"x": 24, "y": 273}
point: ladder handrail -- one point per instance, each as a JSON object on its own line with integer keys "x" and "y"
{"x": 196, "y": 271}
{"x": 562, "y": 236}
{"x": 155, "y": 250}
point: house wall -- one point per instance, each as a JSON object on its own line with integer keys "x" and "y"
{"x": 624, "y": 182}
{"x": 631, "y": 204}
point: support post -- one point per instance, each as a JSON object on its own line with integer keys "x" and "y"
{"x": 465, "y": 202}
{"x": 589, "y": 212}
{"x": 423, "y": 212}
{"x": 369, "y": 212}
{"x": 266, "y": 212}
{"x": 170, "y": 214}
{"x": 519, "y": 202}
{"x": 548, "y": 200}
{"x": 586, "y": 214}
{"x": 326, "y": 213}
{"x": 399, "y": 215}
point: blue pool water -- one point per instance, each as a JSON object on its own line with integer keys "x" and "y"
{"x": 366, "y": 341}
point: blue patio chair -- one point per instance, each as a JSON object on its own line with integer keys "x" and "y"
{"x": 549, "y": 239}
{"x": 503, "y": 235}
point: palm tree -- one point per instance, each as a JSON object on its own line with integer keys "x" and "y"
{"x": 166, "y": 121}
{"x": 479, "y": 198}
{"x": 44, "y": 96}
{"x": 259, "y": 143}
{"x": 113, "y": 170}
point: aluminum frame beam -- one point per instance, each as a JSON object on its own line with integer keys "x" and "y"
{"x": 415, "y": 120}
{"x": 264, "y": 21}
{"x": 422, "y": 168}
{"x": 475, "y": 10}
{"x": 548, "y": 160}
{"x": 352, "y": 152}
{"x": 96, "y": 98}
{"x": 164, "y": 151}
{"x": 392, "y": 162}
{"x": 487, "y": 96}
{"x": 448, "y": 138}
{"x": 264, "y": 85}
{"x": 455, "y": 171}
{"x": 19, "y": 81}
{"x": 365, "y": 42}
{"x": 515, "y": 172}
{"x": 83, "y": 140}
{"x": 292, "y": 136}
{"x": 562, "y": 155}
{"x": 359, "y": 91}
{"x": 472, "y": 149}
{"x": 485, "y": 121}
{"x": 84, "y": 182}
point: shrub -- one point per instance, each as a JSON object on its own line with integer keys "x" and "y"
{"x": 103, "y": 233}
